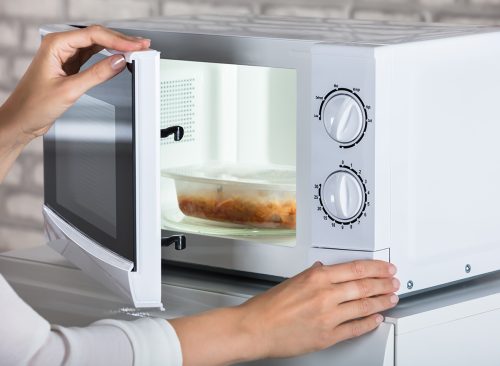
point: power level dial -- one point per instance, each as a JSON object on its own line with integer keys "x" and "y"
{"x": 343, "y": 196}
{"x": 343, "y": 117}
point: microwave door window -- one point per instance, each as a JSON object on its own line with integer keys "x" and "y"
{"x": 85, "y": 153}
{"x": 90, "y": 155}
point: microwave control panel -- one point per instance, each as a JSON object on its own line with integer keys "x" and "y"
{"x": 342, "y": 144}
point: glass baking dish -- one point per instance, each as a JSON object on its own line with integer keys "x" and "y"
{"x": 244, "y": 199}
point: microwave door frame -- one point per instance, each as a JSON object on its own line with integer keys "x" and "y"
{"x": 136, "y": 279}
{"x": 230, "y": 253}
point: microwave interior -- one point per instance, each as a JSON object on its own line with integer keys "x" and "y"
{"x": 233, "y": 173}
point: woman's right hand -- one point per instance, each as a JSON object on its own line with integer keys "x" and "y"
{"x": 320, "y": 307}
{"x": 312, "y": 311}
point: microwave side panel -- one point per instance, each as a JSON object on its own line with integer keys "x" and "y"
{"x": 444, "y": 159}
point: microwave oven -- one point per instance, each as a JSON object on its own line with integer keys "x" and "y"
{"x": 264, "y": 144}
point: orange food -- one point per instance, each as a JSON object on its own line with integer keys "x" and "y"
{"x": 240, "y": 210}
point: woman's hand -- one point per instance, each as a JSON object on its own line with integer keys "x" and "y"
{"x": 321, "y": 307}
{"x": 318, "y": 308}
{"x": 53, "y": 83}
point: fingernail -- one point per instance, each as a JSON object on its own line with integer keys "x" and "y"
{"x": 394, "y": 299}
{"x": 140, "y": 39}
{"x": 117, "y": 62}
{"x": 317, "y": 264}
{"x": 396, "y": 283}
{"x": 379, "y": 319}
{"x": 392, "y": 269}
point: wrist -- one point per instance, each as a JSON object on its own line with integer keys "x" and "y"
{"x": 14, "y": 137}
{"x": 223, "y": 336}
{"x": 12, "y": 142}
{"x": 252, "y": 332}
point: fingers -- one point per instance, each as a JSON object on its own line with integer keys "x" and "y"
{"x": 365, "y": 307}
{"x": 97, "y": 35}
{"x": 360, "y": 269}
{"x": 107, "y": 38}
{"x": 366, "y": 287}
{"x": 104, "y": 70}
{"x": 356, "y": 328}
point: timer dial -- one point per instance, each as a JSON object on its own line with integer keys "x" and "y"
{"x": 343, "y": 117}
{"x": 343, "y": 196}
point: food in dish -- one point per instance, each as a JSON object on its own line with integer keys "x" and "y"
{"x": 244, "y": 210}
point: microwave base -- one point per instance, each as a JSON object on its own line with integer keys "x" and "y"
{"x": 258, "y": 259}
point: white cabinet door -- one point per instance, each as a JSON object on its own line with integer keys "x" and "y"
{"x": 470, "y": 339}
{"x": 102, "y": 171}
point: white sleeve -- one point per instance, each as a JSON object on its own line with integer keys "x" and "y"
{"x": 27, "y": 339}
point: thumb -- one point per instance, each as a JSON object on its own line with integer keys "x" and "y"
{"x": 98, "y": 73}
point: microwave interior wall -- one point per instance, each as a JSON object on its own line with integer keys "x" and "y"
{"x": 234, "y": 115}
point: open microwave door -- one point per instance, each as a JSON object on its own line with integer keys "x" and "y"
{"x": 101, "y": 171}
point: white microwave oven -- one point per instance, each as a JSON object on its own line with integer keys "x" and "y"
{"x": 259, "y": 145}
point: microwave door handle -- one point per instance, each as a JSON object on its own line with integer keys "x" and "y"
{"x": 179, "y": 241}
{"x": 177, "y": 131}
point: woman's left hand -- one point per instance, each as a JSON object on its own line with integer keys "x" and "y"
{"x": 53, "y": 82}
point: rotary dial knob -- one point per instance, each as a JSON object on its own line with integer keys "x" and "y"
{"x": 343, "y": 117}
{"x": 343, "y": 196}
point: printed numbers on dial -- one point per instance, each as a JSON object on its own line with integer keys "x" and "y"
{"x": 343, "y": 198}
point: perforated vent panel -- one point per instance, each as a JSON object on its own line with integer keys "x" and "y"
{"x": 177, "y": 103}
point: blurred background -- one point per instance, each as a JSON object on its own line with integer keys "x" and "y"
{"x": 21, "y": 194}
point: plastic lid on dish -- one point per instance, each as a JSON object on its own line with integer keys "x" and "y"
{"x": 275, "y": 177}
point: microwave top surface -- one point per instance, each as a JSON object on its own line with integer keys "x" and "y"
{"x": 362, "y": 32}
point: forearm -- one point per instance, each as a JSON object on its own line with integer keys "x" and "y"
{"x": 217, "y": 337}
{"x": 12, "y": 139}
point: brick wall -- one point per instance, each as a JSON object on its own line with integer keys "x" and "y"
{"x": 21, "y": 192}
